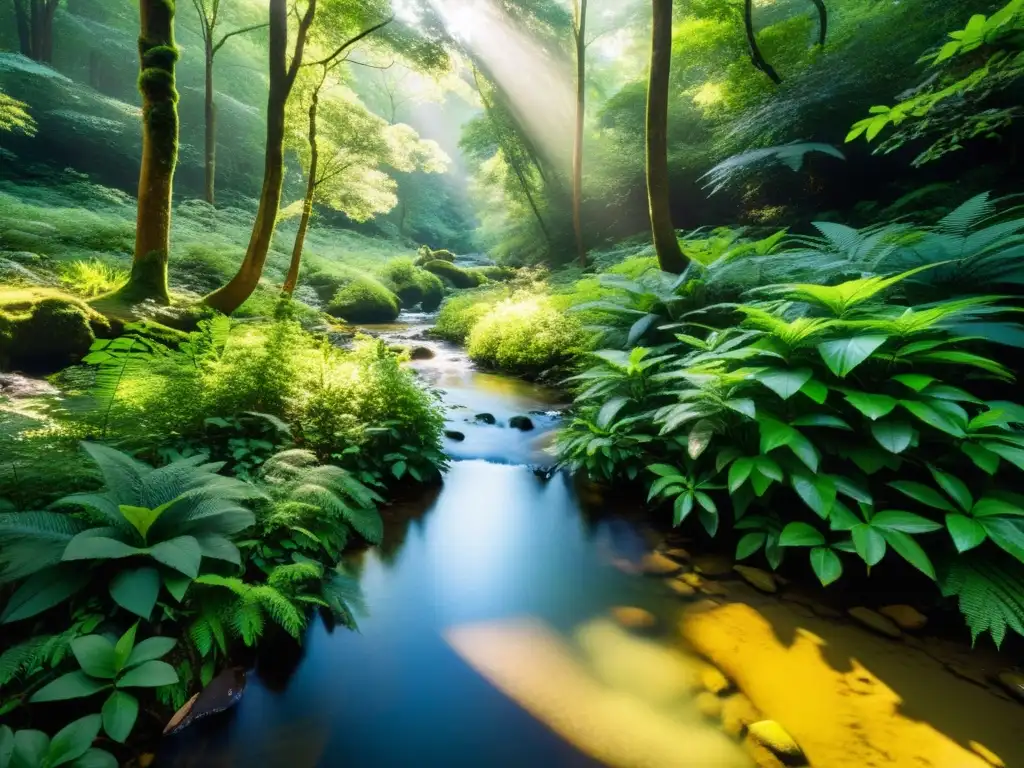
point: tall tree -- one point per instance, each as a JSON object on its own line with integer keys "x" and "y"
{"x": 231, "y": 296}
{"x": 157, "y": 57}
{"x": 34, "y": 19}
{"x": 670, "y": 255}
{"x": 209, "y": 16}
{"x": 580, "y": 38}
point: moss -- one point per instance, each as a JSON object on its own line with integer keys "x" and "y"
{"x": 43, "y": 330}
{"x": 425, "y": 255}
{"x": 456, "y": 276}
{"x": 414, "y": 286}
{"x": 364, "y": 300}
{"x": 433, "y": 291}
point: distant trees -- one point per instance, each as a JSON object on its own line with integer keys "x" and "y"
{"x": 579, "y": 33}
{"x": 34, "y": 20}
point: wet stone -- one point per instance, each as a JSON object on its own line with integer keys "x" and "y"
{"x": 713, "y": 565}
{"x": 678, "y": 554}
{"x": 656, "y": 564}
{"x": 522, "y": 423}
{"x": 1014, "y": 683}
{"x": 757, "y": 578}
{"x": 455, "y": 435}
{"x": 485, "y": 418}
{"x": 906, "y": 616}
{"x": 876, "y": 621}
{"x": 421, "y": 353}
{"x": 681, "y": 588}
{"x": 774, "y": 737}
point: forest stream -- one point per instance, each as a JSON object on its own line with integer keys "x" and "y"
{"x": 495, "y": 636}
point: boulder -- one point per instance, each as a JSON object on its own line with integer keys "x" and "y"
{"x": 14, "y": 386}
{"x": 421, "y": 353}
{"x": 485, "y": 418}
{"x": 455, "y": 435}
{"x": 42, "y": 330}
{"x": 906, "y": 616}
{"x": 774, "y": 737}
{"x": 522, "y": 423}
{"x": 876, "y": 621}
{"x": 757, "y": 578}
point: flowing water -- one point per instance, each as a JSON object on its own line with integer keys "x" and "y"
{"x": 487, "y": 641}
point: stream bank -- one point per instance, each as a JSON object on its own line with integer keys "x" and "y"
{"x": 495, "y": 636}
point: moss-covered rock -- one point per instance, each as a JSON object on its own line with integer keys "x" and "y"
{"x": 433, "y": 291}
{"x": 455, "y": 276}
{"x": 43, "y": 330}
{"x": 413, "y": 286}
{"x": 425, "y": 255}
{"x": 364, "y": 300}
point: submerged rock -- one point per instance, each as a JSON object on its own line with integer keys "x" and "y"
{"x": 906, "y": 616}
{"x": 681, "y": 588}
{"x": 421, "y": 353}
{"x": 453, "y": 434}
{"x": 633, "y": 618}
{"x": 223, "y": 692}
{"x": 876, "y": 621}
{"x": 485, "y": 418}
{"x": 522, "y": 423}
{"x": 774, "y": 737}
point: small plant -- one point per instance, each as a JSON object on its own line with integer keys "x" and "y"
{"x": 93, "y": 277}
{"x": 70, "y": 746}
{"x": 114, "y": 667}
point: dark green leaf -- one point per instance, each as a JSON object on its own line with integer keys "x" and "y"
{"x": 820, "y": 420}
{"x": 983, "y": 458}
{"x": 1013, "y": 455}
{"x": 815, "y": 390}
{"x": 89, "y": 547}
{"x": 148, "y": 674}
{"x": 663, "y": 470}
{"x": 872, "y": 406}
{"x": 177, "y": 584}
{"x": 96, "y": 656}
{"x": 841, "y": 518}
{"x": 916, "y": 381}
{"x": 955, "y": 487}
{"x": 933, "y": 417}
{"x": 73, "y": 685}
{"x": 42, "y": 591}
{"x": 923, "y": 494}
{"x": 911, "y": 551}
{"x": 682, "y": 507}
{"x": 817, "y": 491}
{"x": 893, "y": 435}
{"x": 843, "y": 355}
{"x": 95, "y": 758}
{"x": 749, "y": 544}
{"x": 72, "y": 741}
{"x": 739, "y": 472}
{"x": 120, "y": 711}
{"x": 965, "y": 532}
{"x": 150, "y": 648}
{"x": 775, "y": 434}
{"x": 1007, "y": 534}
{"x": 805, "y": 451}
{"x": 826, "y": 565}
{"x": 798, "y": 534}
{"x": 908, "y": 522}
{"x": 709, "y": 519}
{"x": 869, "y": 543}
{"x": 783, "y": 382}
{"x": 182, "y": 553}
{"x": 136, "y": 590}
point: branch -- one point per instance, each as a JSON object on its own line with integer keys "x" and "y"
{"x": 372, "y": 66}
{"x": 756, "y": 57}
{"x": 300, "y": 42}
{"x": 241, "y": 31}
{"x": 349, "y": 43}
{"x": 822, "y": 20}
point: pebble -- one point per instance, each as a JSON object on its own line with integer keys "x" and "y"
{"x": 1014, "y": 683}
{"x": 906, "y": 616}
{"x": 681, "y": 588}
{"x": 757, "y": 578}
{"x": 633, "y": 618}
{"x": 713, "y": 681}
{"x": 692, "y": 580}
{"x": 678, "y": 554}
{"x": 738, "y": 713}
{"x": 876, "y": 621}
{"x": 713, "y": 565}
{"x": 656, "y": 564}
{"x": 774, "y": 737}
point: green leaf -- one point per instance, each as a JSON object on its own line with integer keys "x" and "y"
{"x": 768, "y": 467}
{"x": 73, "y": 685}
{"x": 149, "y": 674}
{"x": 182, "y": 553}
{"x": 955, "y": 487}
{"x": 798, "y": 534}
{"x": 933, "y": 417}
{"x": 817, "y": 491}
{"x": 136, "y": 590}
{"x": 29, "y": 748}
{"x": 820, "y": 420}
{"x": 682, "y": 507}
{"x": 841, "y": 518}
{"x": 709, "y": 519}
{"x": 908, "y": 522}
{"x": 610, "y": 410}
{"x": 398, "y": 469}
{"x": 843, "y": 355}
{"x": 853, "y": 490}
{"x": 177, "y": 584}
{"x": 805, "y": 451}
{"x": 700, "y": 438}
{"x": 993, "y": 507}
{"x": 924, "y": 494}
{"x": 95, "y": 758}
{"x": 86, "y": 546}
{"x": 826, "y": 564}
{"x": 775, "y": 434}
{"x": 893, "y": 435}
{"x": 749, "y": 544}
{"x": 150, "y": 648}
{"x": 760, "y": 483}
{"x": 742, "y": 405}
{"x": 120, "y": 711}
{"x": 72, "y": 741}
{"x": 784, "y": 383}
{"x": 916, "y": 381}
{"x": 983, "y": 458}
{"x": 739, "y": 472}
{"x": 869, "y": 543}
{"x": 911, "y": 551}
{"x": 1008, "y": 535}
{"x": 141, "y": 518}
{"x": 965, "y": 532}
{"x": 872, "y": 406}
{"x": 96, "y": 656}
{"x": 815, "y": 390}
{"x": 42, "y": 591}
{"x": 1013, "y": 455}
{"x": 662, "y": 470}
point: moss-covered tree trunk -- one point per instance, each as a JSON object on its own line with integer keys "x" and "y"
{"x": 282, "y": 76}
{"x": 157, "y": 57}
{"x": 292, "y": 278}
{"x": 577, "y": 149}
{"x": 670, "y": 256}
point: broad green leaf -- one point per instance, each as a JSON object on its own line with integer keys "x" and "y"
{"x": 953, "y": 486}
{"x": 817, "y": 491}
{"x": 872, "y": 406}
{"x": 682, "y": 507}
{"x": 148, "y": 674}
{"x": 933, "y": 417}
{"x": 72, "y": 741}
{"x": 150, "y": 648}
{"x": 743, "y": 405}
{"x": 853, "y": 490}
{"x": 843, "y": 355}
{"x": 965, "y": 532}
{"x": 749, "y": 544}
{"x": 826, "y": 564}
{"x": 1008, "y": 535}
{"x": 665, "y": 485}
{"x": 805, "y": 451}
{"x": 73, "y": 685}
{"x": 177, "y": 584}
{"x": 815, "y": 390}
{"x": 739, "y": 472}
{"x": 905, "y": 546}
{"x": 798, "y": 534}
{"x": 768, "y": 467}
{"x": 915, "y": 381}
{"x": 700, "y": 438}
{"x": 992, "y": 507}
{"x": 869, "y": 543}
{"x": 706, "y": 502}
{"x": 183, "y": 554}
{"x": 785, "y": 383}
{"x": 136, "y": 590}
{"x": 124, "y": 646}
{"x": 398, "y": 469}
{"x": 893, "y": 435}
{"x": 1013, "y": 455}
{"x": 760, "y": 483}
{"x": 610, "y": 410}
{"x": 120, "y": 711}
{"x": 841, "y": 518}
{"x": 820, "y": 420}
{"x": 95, "y": 758}
{"x": 947, "y": 392}
{"x": 775, "y": 434}
{"x": 924, "y": 494}
{"x": 141, "y": 518}
{"x": 709, "y": 519}
{"x": 983, "y": 458}
{"x": 42, "y": 591}
{"x": 662, "y": 470}
{"x": 29, "y": 747}
{"x": 96, "y": 656}
{"x": 88, "y": 547}
{"x": 725, "y": 457}
{"x": 908, "y": 522}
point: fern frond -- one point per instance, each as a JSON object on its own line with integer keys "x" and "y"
{"x": 967, "y": 215}
{"x": 990, "y": 588}
{"x": 31, "y": 541}
{"x": 294, "y": 575}
{"x": 21, "y": 659}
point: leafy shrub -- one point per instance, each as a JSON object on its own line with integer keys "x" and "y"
{"x": 72, "y": 746}
{"x": 93, "y": 277}
{"x": 524, "y": 333}
{"x": 364, "y": 300}
{"x": 455, "y": 276}
{"x": 460, "y": 313}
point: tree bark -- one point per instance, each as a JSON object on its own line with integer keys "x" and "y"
{"x": 21, "y": 18}
{"x": 756, "y": 57}
{"x": 670, "y": 256}
{"x": 577, "y": 151}
{"x": 231, "y": 296}
{"x": 210, "y": 114}
{"x": 157, "y": 57}
{"x": 34, "y": 20}
{"x": 822, "y": 20}
{"x": 292, "y": 278}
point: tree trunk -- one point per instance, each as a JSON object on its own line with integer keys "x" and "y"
{"x": 670, "y": 256}
{"x": 577, "y": 150}
{"x": 822, "y": 20}
{"x": 34, "y": 19}
{"x": 231, "y": 296}
{"x": 307, "y": 204}
{"x": 157, "y": 55}
{"x": 24, "y": 30}
{"x": 210, "y": 164}
{"x": 756, "y": 57}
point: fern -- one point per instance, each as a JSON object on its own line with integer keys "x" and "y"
{"x": 31, "y": 541}
{"x": 990, "y": 588}
{"x": 790, "y": 155}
